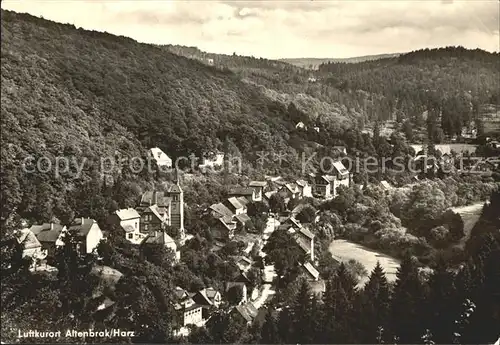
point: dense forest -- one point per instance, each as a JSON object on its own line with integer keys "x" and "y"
{"x": 454, "y": 81}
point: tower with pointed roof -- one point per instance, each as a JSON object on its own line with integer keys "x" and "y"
{"x": 177, "y": 205}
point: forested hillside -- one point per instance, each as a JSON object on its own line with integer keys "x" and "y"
{"x": 453, "y": 81}
{"x": 314, "y": 63}
{"x": 76, "y": 93}
{"x": 286, "y": 84}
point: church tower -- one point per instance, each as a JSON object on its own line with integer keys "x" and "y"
{"x": 177, "y": 205}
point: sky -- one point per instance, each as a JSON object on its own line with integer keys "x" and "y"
{"x": 285, "y": 29}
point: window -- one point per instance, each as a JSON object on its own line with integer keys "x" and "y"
{"x": 130, "y": 236}
{"x": 136, "y": 225}
{"x": 176, "y": 197}
{"x": 146, "y": 227}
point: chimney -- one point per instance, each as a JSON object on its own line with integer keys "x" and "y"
{"x": 83, "y": 219}
{"x": 51, "y": 226}
{"x": 155, "y": 197}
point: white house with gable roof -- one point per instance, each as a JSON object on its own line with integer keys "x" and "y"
{"x": 161, "y": 159}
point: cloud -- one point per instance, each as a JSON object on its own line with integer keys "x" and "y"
{"x": 276, "y": 29}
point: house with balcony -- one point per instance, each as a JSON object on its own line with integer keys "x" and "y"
{"x": 187, "y": 311}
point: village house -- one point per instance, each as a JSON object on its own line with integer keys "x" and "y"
{"x": 322, "y": 186}
{"x": 305, "y": 240}
{"x": 290, "y": 224}
{"x": 129, "y": 220}
{"x": 27, "y": 243}
{"x": 268, "y": 195}
{"x": 300, "y": 125}
{"x": 385, "y": 185}
{"x": 246, "y": 192}
{"x": 154, "y": 219}
{"x": 208, "y": 297}
{"x": 242, "y": 282}
{"x": 325, "y": 186}
{"x": 242, "y": 220}
{"x": 224, "y": 228}
{"x": 220, "y": 210}
{"x": 161, "y": 159}
{"x": 305, "y": 189}
{"x": 311, "y": 273}
{"x": 258, "y": 186}
{"x": 289, "y": 191}
{"x": 212, "y": 160}
{"x": 159, "y": 209}
{"x": 246, "y": 311}
{"x": 162, "y": 238}
{"x": 187, "y": 311}
{"x": 88, "y": 234}
{"x": 343, "y": 177}
{"x": 235, "y": 206}
{"x": 341, "y": 149}
{"x": 244, "y": 263}
{"x": 49, "y": 236}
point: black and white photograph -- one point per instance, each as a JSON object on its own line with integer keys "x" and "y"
{"x": 250, "y": 172}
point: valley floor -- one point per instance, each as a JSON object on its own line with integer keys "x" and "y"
{"x": 344, "y": 250}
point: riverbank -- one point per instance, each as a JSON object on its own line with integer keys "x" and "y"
{"x": 344, "y": 250}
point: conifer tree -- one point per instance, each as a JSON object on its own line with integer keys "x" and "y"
{"x": 441, "y": 304}
{"x": 269, "y": 332}
{"x": 375, "y": 307}
{"x": 302, "y": 313}
{"x": 406, "y": 306}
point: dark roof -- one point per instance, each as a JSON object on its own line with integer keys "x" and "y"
{"x": 241, "y": 191}
{"x": 231, "y": 284}
{"x": 303, "y": 244}
{"x": 247, "y": 310}
{"x": 148, "y": 198}
{"x": 47, "y": 232}
{"x": 221, "y": 209}
{"x": 157, "y": 211}
{"x": 201, "y": 298}
{"x": 159, "y": 237}
{"x": 311, "y": 270}
{"x": 211, "y": 292}
{"x": 305, "y": 231}
{"x": 82, "y": 226}
{"x": 27, "y": 239}
{"x": 242, "y": 218}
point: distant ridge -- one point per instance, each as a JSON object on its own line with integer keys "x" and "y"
{"x": 313, "y": 63}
